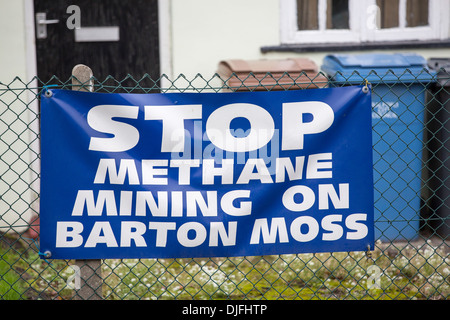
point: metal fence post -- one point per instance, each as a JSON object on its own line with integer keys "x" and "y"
{"x": 90, "y": 270}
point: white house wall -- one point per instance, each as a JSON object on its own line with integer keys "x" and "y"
{"x": 18, "y": 165}
{"x": 204, "y": 32}
{"x": 13, "y": 40}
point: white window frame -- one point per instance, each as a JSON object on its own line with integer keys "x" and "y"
{"x": 362, "y": 24}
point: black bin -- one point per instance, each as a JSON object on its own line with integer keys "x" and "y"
{"x": 438, "y": 147}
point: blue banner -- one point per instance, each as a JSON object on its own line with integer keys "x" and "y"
{"x": 206, "y": 174}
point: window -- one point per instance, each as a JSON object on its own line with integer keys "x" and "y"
{"x": 336, "y": 15}
{"x": 339, "y": 21}
{"x": 416, "y": 13}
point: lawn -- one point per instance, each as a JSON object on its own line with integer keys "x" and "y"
{"x": 394, "y": 273}
{"x": 11, "y": 284}
{"x": 411, "y": 274}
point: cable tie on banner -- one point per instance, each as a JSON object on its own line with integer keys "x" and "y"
{"x": 47, "y": 254}
{"x": 369, "y": 253}
{"x": 366, "y": 89}
{"x": 43, "y": 255}
{"x": 48, "y": 93}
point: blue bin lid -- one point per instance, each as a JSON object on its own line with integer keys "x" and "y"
{"x": 378, "y": 67}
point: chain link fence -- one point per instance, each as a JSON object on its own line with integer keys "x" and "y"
{"x": 410, "y": 260}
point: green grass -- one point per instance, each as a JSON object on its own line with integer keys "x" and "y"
{"x": 403, "y": 273}
{"x": 410, "y": 274}
{"x": 11, "y": 285}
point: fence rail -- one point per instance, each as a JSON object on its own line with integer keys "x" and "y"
{"x": 411, "y": 165}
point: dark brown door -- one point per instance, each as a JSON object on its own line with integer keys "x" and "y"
{"x": 135, "y": 52}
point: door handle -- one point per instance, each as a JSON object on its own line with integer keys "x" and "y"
{"x": 41, "y": 24}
